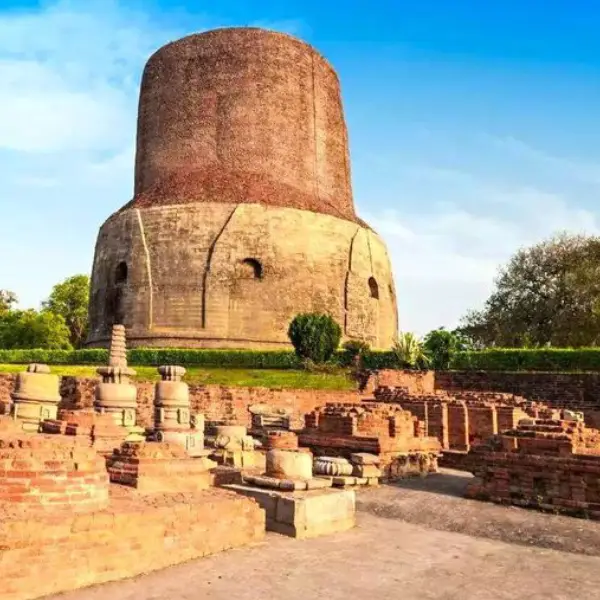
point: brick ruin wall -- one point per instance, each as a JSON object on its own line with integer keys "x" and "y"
{"x": 549, "y": 464}
{"x": 575, "y": 391}
{"x": 217, "y": 403}
{"x": 136, "y": 534}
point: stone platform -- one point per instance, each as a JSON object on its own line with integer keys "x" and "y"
{"x": 136, "y": 534}
{"x": 303, "y": 514}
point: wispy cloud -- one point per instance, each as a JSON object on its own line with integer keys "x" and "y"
{"x": 577, "y": 169}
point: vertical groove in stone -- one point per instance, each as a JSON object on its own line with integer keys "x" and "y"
{"x": 148, "y": 268}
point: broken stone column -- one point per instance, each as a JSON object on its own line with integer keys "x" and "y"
{"x": 173, "y": 422}
{"x": 116, "y": 396}
{"x": 234, "y": 447}
{"x": 36, "y": 397}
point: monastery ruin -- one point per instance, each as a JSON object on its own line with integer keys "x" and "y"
{"x": 242, "y": 215}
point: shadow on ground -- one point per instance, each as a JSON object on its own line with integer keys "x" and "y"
{"x": 437, "y": 502}
{"x": 446, "y": 482}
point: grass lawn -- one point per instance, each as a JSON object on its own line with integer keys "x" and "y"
{"x": 269, "y": 378}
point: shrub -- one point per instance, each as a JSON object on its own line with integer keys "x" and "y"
{"x": 315, "y": 336}
{"x": 409, "y": 352}
{"x": 441, "y": 346}
{"x": 356, "y": 348}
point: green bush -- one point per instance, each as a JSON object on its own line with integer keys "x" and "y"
{"x": 526, "y": 359}
{"x": 409, "y": 352}
{"x": 315, "y": 336}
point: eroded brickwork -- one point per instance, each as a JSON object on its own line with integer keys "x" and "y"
{"x": 385, "y": 430}
{"x": 217, "y": 403}
{"x": 43, "y": 473}
{"x": 552, "y": 464}
{"x": 137, "y": 534}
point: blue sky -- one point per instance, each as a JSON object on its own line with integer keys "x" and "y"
{"x": 473, "y": 130}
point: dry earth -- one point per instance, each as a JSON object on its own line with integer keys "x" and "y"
{"x": 417, "y": 540}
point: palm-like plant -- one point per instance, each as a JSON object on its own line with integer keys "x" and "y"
{"x": 409, "y": 351}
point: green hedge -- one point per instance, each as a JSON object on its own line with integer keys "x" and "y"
{"x": 95, "y": 356}
{"x": 234, "y": 359}
{"x": 518, "y": 359}
{"x": 502, "y": 359}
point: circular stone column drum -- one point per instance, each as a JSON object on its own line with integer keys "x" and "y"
{"x": 243, "y": 214}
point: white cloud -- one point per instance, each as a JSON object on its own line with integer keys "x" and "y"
{"x": 446, "y": 257}
{"x": 69, "y": 77}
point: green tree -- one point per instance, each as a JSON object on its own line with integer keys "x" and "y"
{"x": 7, "y": 300}
{"x": 441, "y": 345}
{"x": 315, "y": 336}
{"x": 69, "y": 299}
{"x": 548, "y": 294}
{"x": 32, "y": 329}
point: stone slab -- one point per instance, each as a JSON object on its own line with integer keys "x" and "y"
{"x": 287, "y": 484}
{"x": 305, "y": 514}
{"x": 364, "y": 458}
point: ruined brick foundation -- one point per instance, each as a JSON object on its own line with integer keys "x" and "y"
{"x": 548, "y": 464}
{"x": 136, "y": 534}
{"x": 389, "y": 432}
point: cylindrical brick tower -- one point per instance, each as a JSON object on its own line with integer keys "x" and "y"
{"x": 242, "y": 215}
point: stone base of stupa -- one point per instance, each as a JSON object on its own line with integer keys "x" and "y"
{"x": 303, "y": 514}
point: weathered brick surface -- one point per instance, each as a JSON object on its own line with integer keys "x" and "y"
{"x": 216, "y": 402}
{"x": 158, "y": 467}
{"x": 414, "y": 382}
{"x": 134, "y": 535}
{"x": 552, "y": 464}
{"x": 390, "y": 432}
{"x": 577, "y": 391}
{"x": 461, "y": 419}
{"x": 42, "y": 473}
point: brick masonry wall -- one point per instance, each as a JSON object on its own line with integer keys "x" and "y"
{"x": 135, "y": 535}
{"x": 214, "y": 401}
{"x": 577, "y": 391}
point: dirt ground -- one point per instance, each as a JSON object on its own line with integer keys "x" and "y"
{"x": 418, "y": 540}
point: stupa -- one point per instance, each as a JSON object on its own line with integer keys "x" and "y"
{"x": 242, "y": 214}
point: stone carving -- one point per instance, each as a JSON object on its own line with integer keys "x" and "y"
{"x": 116, "y": 396}
{"x": 173, "y": 421}
{"x": 332, "y": 466}
{"x": 35, "y": 397}
{"x": 234, "y": 447}
{"x": 265, "y": 417}
{"x": 243, "y": 228}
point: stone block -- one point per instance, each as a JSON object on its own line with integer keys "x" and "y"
{"x": 364, "y": 458}
{"x": 366, "y": 471}
{"x": 304, "y": 514}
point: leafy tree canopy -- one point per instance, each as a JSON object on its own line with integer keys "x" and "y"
{"x": 7, "y": 300}
{"x": 32, "y": 329}
{"x": 69, "y": 299}
{"x": 547, "y": 295}
{"x": 440, "y": 345}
